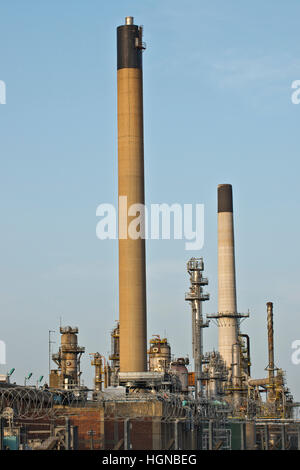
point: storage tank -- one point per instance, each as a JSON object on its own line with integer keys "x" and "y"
{"x": 178, "y": 368}
{"x": 159, "y": 354}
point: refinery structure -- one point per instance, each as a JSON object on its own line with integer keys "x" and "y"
{"x": 143, "y": 397}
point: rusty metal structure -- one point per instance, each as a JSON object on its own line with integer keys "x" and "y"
{"x": 67, "y": 376}
{"x": 97, "y": 362}
{"x": 115, "y": 354}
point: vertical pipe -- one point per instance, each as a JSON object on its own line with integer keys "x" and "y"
{"x": 266, "y": 437}
{"x": 243, "y": 436}
{"x": 227, "y": 326}
{"x": 127, "y": 434}
{"x": 248, "y": 353}
{"x": 68, "y": 433}
{"x": 236, "y": 379}
{"x": 193, "y": 435}
{"x": 177, "y": 435}
{"x": 132, "y": 273}
{"x": 283, "y": 437}
{"x": 210, "y": 434}
{"x": 262, "y": 439}
{"x": 1, "y": 432}
{"x": 198, "y": 348}
{"x": 196, "y": 296}
{"x": 97, "y": 363}
{"x": 200, "y": 436}
{"x": 271, "y": 366}
{"x": 49, "y": 354}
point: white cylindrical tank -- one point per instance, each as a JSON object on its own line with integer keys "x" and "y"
{"x": 159, "y": 355}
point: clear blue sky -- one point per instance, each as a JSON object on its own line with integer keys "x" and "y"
{"x": 217, "y": 94}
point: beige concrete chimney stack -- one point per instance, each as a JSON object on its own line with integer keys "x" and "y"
{"x": 227, "y": 326}
{"x": 132, "y": 269}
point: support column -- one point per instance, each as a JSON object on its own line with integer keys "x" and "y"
{"x": 127, "y": 440}
{"x": 156, "y": 434}
{"x": 266, "y": 436}
{"x": 283, "y": 437}
{"x": 68, "y": 433}
{"x": 177, "y": 435}
{"x": 210, "y": 434}
{"x": 1, "y": 433}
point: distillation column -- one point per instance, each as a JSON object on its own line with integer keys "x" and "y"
{"x": 132, "y": 272}
{"x": 97, "y": 362}
{"x": 271, "y": 365}
{"x": 195, "y": 296}
{"x": 68, "y": 359}
{"x": 227, "y": 310}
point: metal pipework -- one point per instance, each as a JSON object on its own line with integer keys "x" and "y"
{"x": 271, "y": 365}
{"x": 279, "y": 381}
{"x": 248, "y": 353}
{"x": 195, "y": 296}
{"x": 97, "y": 363}
{"x": 68, "y": 358}
{"x": 132, "y": 269}
{"x": 228, "y": 325}
{"x": 270, "y": 340}
{"x": 236, "y": 369}
{"x": 258, "y": 382}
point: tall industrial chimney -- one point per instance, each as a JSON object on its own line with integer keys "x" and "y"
{"x": 132, "y": 270}
{"x": 227, "y": 310}
{"x": 271, "y": 365}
